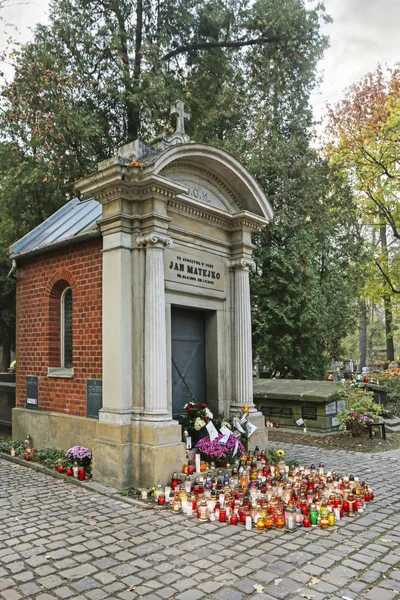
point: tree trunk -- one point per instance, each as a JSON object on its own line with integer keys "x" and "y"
{"x": 131, "y": 81}
{"x": 6, "y": 356}
{"x": 362, "y": 359}
{"x": 387, "y": 301}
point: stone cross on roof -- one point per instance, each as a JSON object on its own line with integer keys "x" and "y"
{"x": 179, "y": 136}
{"x": 179, "y": 109}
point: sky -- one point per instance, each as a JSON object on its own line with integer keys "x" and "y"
{"x": 363, "y": 34}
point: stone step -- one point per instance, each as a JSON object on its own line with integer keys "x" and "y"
{"x": 394, "y": 422}
{"x": 393, "y": 429}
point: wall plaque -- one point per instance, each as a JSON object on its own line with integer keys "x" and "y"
{"x": 330, "y": 409}
{"x": 32, "y": 392}
{"x": 199, "y": 270}
{"x": 277, "y": 412}
{"x": 94, "y": 397}
{"x": 341, "y": 405}
{"x": 309, "y": 412}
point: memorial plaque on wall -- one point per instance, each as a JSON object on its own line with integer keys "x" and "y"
{"x": 330, "y": 409}
{"x": 32, "y": 392}
{"x": 200, "y": 269}
{"x": 309, "y": 412}
{"x": 94, "y": 397}
{"x": 277, "y": 412}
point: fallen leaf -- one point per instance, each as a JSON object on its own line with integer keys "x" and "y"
{"x": 93, "y": 523}
{"x": 132, "y": 588}
{"x": 259, "y": 588}
{"x": 312, "y": 581}
{"x": 308, "y": 596}
{"x": 385, "y": 540}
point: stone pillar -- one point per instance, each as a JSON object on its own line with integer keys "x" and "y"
{"x": 155, "y": 348}
{"x": 117, "y": 330}
{"x": 243, "y": 362}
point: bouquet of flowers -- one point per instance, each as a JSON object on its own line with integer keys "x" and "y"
{"x": 213, "y": 450}
{"x": 196, "y": 416}
{"x": 80, "y": 454}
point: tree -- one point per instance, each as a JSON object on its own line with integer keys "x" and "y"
{"x": 103, "y": 72}
{"x": 306, "y": 276}
{"x": 365, "y": 141}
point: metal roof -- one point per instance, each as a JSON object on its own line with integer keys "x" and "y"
{"x": 71, "y": 221}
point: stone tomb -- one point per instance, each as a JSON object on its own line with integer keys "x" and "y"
{"x": 176, "y": 223}
{"x": 285, "y": 401}
{"x": 177, "y": 252}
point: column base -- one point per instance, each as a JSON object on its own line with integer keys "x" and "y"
{"x": 157, "y": 452}
{"x": 259, "y": 437}
{"x": 115, "y": 417}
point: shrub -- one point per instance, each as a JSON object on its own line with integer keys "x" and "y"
{"x": 359, "y": 411}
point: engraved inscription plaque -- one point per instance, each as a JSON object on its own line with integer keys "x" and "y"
{"x": 32, "y": 392}
{"x": 194, "y": 269}
{"x": 94, "y": 397}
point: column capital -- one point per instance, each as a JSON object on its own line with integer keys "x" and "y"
{"x": 242, "y": 264}
{"x": 155, "y": 240}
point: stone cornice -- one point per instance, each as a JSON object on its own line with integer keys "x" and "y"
{"x": 122, "y": 182}
{"x": 217, "y": 217}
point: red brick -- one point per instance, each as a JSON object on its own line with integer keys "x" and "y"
{"x": 40, "y": 282}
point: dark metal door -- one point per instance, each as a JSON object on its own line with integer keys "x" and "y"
{"x": 188, "y": 360}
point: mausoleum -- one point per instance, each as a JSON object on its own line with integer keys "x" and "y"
{"x": 132, "y": 302}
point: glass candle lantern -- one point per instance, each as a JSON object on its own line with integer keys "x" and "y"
{"x": 331, "y": 518}
{"x": 233, "y": 519}
{"x": 175, "y": 481}
{"x": 324, "y": 521}
{"x": 176, "y": 505}
{"x": 202, "y": 511}
{"x": 314, "y": 516}
{"x": 280, "y": 521}
{"x": 222, "y": 515}
{"x": 81, "y": 474}
{"x": 306, "y": 521}
{"x": 260, "y": 524}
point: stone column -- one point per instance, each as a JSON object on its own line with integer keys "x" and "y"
{"x": 155, "y": 343}
{"x": 243, "y": 362}
{"x": 117, "y": 330}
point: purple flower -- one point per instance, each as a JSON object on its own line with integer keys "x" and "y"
{"x": 217, "y": 450}
{"x": 78, "y": 453}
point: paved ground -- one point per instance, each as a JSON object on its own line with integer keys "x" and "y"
{"x": 59, "y": 541}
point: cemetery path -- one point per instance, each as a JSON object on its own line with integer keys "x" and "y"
{"x": 60, "y": 541}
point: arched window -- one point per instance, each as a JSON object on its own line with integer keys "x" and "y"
{"x": 60, "y": 337}
{"x": 66, "y": 329}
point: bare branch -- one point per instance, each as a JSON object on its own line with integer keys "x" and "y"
{"x": 374, "y": 160}
{"x": 387, "y": 214}
{"x": 386, "y": 278}
{"x": 210, "y": 45}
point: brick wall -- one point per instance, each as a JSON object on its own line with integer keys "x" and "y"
{"x": 40, "y": 282}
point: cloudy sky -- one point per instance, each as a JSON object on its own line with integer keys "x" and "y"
{"x": 363, "y": 34}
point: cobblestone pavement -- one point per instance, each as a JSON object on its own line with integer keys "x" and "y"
{"x": 59, "y": 541}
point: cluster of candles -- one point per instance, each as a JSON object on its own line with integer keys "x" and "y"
{"x": 267, "y": 496}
